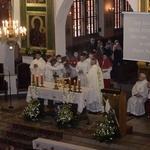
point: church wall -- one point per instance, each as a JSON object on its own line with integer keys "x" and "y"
{"x": 134, "y": 4}
{"x": 61, "y": 12}
{"x": 108, "y": 19}
{"x": 69, "y": 30}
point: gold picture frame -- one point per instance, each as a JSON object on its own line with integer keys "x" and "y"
{"x": 36, "y": 3}
{"x": 37, "y": 30}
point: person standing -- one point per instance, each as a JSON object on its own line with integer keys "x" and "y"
{"x": 100, "y": 49}
{"x": 106, "y": 67}
{"x": 92, "y": 45}
{"x": 95, "y": 80}
{"x": 61, "y": 73}
{"x": 135, "y": 105}
{"x": 91, "y": 55}
{"x": 72, "y": 64}
{"x": 82, "y": 69}
{"x": 49, "y": 69}
{"x": 37, "y": 66}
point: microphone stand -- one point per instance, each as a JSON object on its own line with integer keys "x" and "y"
{"x": 10, "y": 100}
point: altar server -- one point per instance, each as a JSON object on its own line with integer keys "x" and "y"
{"x": 135, "y": 104}
{"x": 82, "y": 69}
{"x": 95, "y": 80}
{"x": 37, "y": 66}
{"x": 106, "y": 67}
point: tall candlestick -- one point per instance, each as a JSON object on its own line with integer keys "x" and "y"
{"x": 37, "y": 80}
{"x": 74, "y": 83}
{"x": 33, "y": 79}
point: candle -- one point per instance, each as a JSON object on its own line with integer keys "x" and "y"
{"x": 37, "y": 80}
{"x": 41, "y": 78}
{"x": 79, "y": 84}
{"x": 69, "y": 82}
{"x": 33, "y": 80}
{"x": 74, "y": 83}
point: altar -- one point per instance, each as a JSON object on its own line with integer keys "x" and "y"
{"x": 87, "y": 95}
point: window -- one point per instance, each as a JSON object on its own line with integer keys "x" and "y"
{"x": 84, "y": 17}
{"x": 91, "y": 22}
{"x": 117, "y": 9}
{"x": 78, "y": 18}
{"x": 120, "y": 6}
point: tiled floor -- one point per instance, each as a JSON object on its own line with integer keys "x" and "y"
{"x": 138, "y": 140}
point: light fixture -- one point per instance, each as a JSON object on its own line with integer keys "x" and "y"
{"x": 10, "y": 32}
{"x": 110, "y": 9}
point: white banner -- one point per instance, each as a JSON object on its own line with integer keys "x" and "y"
{"x": 136, "y": 36}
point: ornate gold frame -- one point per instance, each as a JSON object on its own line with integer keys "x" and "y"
{"x": 30, "y": 23}
{"x": 144, "y": 5}
{"x": 30, "y": 4}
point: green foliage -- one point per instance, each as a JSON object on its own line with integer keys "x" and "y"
{"x": 31, "y": 52}
{"x": 65, "y": 117}
{"x": 32, "y": 111}
{"x": 107, "y": 130}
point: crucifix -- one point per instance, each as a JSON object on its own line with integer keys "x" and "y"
{"x": 55, "y": 75}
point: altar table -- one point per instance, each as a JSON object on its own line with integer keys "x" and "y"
{"x": 46, "y": 144}
{"x": 87, "y": 96}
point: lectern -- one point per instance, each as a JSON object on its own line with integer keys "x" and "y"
{"x": 117, "y": 100}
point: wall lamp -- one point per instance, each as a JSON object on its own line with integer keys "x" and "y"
{"x": 110, "y": 9}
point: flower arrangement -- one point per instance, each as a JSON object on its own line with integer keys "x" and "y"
{"x": 65, "y": 117}
{"x": 107, "y": 130}
{"x": 30, "y": 52}
{"x": 32, "y": 111}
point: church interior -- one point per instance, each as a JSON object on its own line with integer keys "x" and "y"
{"x": 73, "y": 31}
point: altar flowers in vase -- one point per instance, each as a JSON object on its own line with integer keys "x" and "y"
{"x": 32, "y": 110}
{"x": 108, "y": 129}
{"x": 65, "y": 117}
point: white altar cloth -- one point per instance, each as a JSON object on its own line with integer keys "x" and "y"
{"x": 41, "y": 144}
{"x": 87, "y": 96}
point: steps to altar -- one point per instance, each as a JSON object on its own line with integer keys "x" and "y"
{"x": 21, "y": 136}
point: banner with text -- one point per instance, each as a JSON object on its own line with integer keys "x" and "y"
{"x": 136, "y": 36}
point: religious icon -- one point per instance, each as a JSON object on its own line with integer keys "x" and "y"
{"x": 37, "y": 31}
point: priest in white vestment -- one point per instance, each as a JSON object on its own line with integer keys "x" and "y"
{"x": 135, "y": 104}
{"x": 90, "y": 57}
{"x": 37, "y": 66}
{"x": 82, "y": 69}
{"x": 50, "y": 69}
{"x": 95, "y": 80}
{"x": 61, "y": 72}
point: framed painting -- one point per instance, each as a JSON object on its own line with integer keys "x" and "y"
{"x": 35, "y": 3}
{"x": 37, "y": 30}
